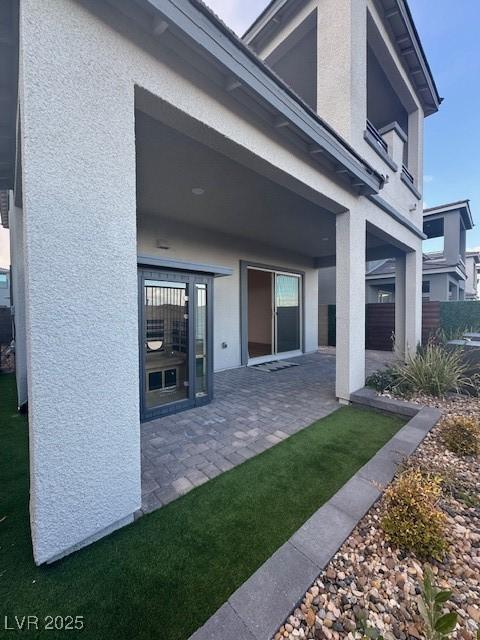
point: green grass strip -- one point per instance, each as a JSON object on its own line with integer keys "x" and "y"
{"x": 164, "y": 575}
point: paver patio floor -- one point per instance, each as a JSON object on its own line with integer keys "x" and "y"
{"x": 252, "y": 410}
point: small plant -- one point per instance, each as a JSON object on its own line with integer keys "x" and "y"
{"x": 434, "y": 370}
{"x": 367, "y": 632}
{"x": 411, "y": 517}
{"x": 461, "y": 435}
{"x": 383, "y": 380}
{"x": 437, "y": 625}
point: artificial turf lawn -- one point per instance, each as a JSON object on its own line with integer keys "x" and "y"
{"x": 164, "y": 575}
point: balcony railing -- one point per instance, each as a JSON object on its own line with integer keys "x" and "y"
{"x": 377, "y": 137}
{"x": 407, "y": 174}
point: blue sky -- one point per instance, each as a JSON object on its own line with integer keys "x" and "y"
{"x": 450, "y": 33}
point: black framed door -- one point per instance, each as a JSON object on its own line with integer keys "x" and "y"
{"x": 176, "y": 329}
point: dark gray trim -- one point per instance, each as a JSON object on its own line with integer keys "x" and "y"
{"x": 412, "y": 51}
{"x": 194, "y": 23}
{"x": 396, "y": 215}
{"x": 183, "y": 265}
{"x": 191, "y": 279}
{"x": 411, "y": 186}
{"x": 367, "y": 136}
{"x": 244, "y": 265}
{"x": 394, "y": 126}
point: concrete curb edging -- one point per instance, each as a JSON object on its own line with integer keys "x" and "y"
{"x": 260, "y": 605}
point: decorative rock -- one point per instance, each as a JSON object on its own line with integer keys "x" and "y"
{"x": 369, "y": 574}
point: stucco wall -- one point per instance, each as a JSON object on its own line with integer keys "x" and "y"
{"x": 471, "y": 284}
{"x": 80, "y": 272}
{"x": 203, "y": 246}
{"x": 327, "y": 285}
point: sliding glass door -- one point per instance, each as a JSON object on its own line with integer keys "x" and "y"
{"x": 175, "y": 341}
{"x": 287, "y": 312}
{"x": 274, "y": 314}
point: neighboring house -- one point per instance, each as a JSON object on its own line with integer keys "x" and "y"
{"x": 472, "y": 269}
{"x": 173, "y": 193}
{"x": 445, "y": 273}
{"x": 4, "y": 287}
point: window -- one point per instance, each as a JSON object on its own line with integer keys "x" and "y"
{"x": 3, "y": 281}
{"x": 452, "y": 291}
{"x": 426, "y": 286}
{"x": 385, "y": 296}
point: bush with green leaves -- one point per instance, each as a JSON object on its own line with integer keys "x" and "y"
{"x": 461, "y": 434}
{"x": 434, "y": 370}
{"x": 383, "y": 380}
{"x": 411, "y": 518}
{"x": 437, "y": 624}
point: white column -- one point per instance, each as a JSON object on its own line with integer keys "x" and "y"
{"x": 413, "y": 297}
{"x": 79, "y": 205}
{"x": 342, "y": 66}
{"x": 350, "y": 350}
{"x": 400, "y": 307}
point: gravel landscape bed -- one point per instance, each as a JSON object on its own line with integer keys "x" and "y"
{"x": 369, "y": 575}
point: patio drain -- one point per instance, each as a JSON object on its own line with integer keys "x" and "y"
{"x": 270, "y": 367}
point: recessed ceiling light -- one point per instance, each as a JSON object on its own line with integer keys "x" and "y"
{"x": 198, "y": 191}
{"x": 326, "y": 238}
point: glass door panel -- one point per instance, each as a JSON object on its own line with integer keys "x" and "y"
{"x": 201, "y": 354}
{"x": 260, "y": 313}
{"x": 165, "y": 342}
{"x": 287, "y": 307}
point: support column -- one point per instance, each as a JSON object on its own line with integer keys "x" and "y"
{"x": 413, "y": 297}
{"x": 400, "y": 307}
{"x": 351, "y": 256}
{"x": 79, "y": 205}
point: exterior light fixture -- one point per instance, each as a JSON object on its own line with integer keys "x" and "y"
{"x": 198, "y": 191}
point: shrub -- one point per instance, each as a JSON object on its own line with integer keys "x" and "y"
{"x": 434, "y": 370}
{"x": 461, "y": 435}
{"x": 383, "y": 379}
{"x": 411, "y": 518}
{"x": 455, "y": 315}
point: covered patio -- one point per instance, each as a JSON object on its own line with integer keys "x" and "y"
{"x": 252, "y": 410}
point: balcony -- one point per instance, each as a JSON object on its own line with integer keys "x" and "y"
{"x": 374, "y": 138}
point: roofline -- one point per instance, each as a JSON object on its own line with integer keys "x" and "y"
{"x": 193, "y": 23}
{"x": 473, "y": 254}
{"x": 401, "y": 9}
{"x": 463, "y": 205}
{"x": 262, "y": 19}
{"x": 424, "y": 58}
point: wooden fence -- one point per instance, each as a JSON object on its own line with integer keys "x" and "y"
{"x": 5, "y": 325}
{"x": 380, "y": 324}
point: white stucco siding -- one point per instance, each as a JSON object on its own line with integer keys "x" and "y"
{"x": 202, "y": 246}
{"x": 77, "y": 109}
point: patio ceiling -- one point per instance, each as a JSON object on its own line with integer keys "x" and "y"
{"x": 235, "y": 200}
